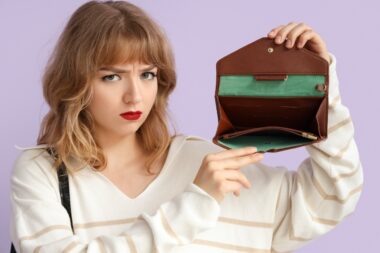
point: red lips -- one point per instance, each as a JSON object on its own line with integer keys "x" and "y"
{"x": 131, "y": 115}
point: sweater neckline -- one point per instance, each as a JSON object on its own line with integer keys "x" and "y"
{"x": 175, "y": 145}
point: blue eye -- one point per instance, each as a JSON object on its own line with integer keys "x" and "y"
{"x": 111, "y": 78}
{"x": 146, "y": 75}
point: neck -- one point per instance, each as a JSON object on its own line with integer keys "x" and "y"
{"x": 121, "y": 152}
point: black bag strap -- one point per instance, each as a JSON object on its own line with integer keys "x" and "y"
{"x": 64, "y": 189}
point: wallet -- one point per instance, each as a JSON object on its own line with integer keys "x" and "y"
{"x": 271, "y": 97}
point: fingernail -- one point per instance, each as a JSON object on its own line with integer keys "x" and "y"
{"x": 271, "y": 33}
{"x": 278, "y": 39}
{"x": 288, "y": 43}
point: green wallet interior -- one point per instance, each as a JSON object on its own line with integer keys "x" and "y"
{"x": 244, "y": 92}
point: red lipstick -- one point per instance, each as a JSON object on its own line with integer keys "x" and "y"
{"x": 131, "y": 115}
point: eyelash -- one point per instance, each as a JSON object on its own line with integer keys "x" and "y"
{"x": 104, "y": 78}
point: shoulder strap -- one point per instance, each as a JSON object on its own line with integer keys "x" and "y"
{"x": 64, "y": 189}
{"x": 13, "y": 250}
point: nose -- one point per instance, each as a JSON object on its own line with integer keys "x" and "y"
{"x": 132, "y": 90}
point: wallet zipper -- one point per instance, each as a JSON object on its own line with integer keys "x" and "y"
{"x": 304, "y": 134}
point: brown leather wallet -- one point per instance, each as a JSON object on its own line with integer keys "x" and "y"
{"x": 271, "y": 97}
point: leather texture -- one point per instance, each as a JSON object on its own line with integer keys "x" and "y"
{"x": 277, "y": 119}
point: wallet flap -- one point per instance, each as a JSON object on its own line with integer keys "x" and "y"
{"x": 264, "y": 56}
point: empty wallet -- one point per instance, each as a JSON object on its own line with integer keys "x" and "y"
{"x": 271, "y": 97}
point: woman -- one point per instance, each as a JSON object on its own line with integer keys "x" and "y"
{"x": 134, "y": 187}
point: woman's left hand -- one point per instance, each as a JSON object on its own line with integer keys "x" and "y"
{"x": 300, "y": 35}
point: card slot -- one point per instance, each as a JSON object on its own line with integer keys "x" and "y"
{"x": 272, "y": 85}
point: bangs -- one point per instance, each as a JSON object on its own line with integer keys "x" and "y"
{"x": 121, "y": 48}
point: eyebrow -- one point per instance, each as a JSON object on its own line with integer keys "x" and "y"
{"x": 117, "y": 70}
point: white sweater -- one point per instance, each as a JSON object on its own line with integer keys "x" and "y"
{"x": 282, "y": 211}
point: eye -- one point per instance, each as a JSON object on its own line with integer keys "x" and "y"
{"x": 149, "y": 75}
{"x": 113, "y": 77}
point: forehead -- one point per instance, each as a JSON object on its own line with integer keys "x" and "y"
{"x": 127, "y": 67}
{"x": 129, "y": 53}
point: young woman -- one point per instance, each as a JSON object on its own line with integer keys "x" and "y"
{"x": 134, "y": 187}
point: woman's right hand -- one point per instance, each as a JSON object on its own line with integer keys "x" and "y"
{"x": 220, "y": 172}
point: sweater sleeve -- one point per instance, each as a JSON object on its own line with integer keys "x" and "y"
{"x": 41, "y": 224}
{"x": 326, "y": 186}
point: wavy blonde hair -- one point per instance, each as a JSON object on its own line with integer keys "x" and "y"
{"x": 103, "y": 33}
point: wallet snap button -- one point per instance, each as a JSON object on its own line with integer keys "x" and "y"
{"x": 320, "y": 87}
{"x": 270, "y": 50}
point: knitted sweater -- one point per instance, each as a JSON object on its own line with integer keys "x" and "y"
{"x": 282, "y": 211}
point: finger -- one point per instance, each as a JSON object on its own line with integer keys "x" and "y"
{"x": 231, "y": 186}
{"x": 282, "y": 34}
{"x": 238, "y": 162}
{"x": 295, "y": 33}
{"x": 236, "y": 152}
{"x": 235, "y": 175}
{"x": 304, "y": 37}
{"x": 274, "y": 31}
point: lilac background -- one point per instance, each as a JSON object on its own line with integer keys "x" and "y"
{"x": 201, "y": 32}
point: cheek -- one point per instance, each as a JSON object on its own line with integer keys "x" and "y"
{"x": 152, "y": 95}
{"x": 101, "y": 105}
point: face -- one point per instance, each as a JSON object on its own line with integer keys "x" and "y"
{"x": 119, "y": 89}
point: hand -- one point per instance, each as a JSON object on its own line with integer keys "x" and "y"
{"x": 220, "y": 174}
{"x": 300, "y": 35}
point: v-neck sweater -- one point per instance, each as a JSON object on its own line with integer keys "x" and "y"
{"x": 282, "y": 211}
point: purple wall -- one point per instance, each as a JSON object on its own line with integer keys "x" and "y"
{"x": 201, "y": 32}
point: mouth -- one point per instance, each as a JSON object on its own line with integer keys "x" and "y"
{"x": 131, "y": 115}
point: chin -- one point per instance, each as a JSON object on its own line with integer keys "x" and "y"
{"x": 129, "y": 131}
